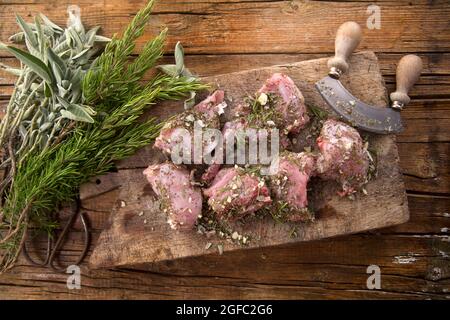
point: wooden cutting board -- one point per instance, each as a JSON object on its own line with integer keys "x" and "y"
{"x": 137, "y": 232}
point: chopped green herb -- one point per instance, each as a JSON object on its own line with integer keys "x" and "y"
{"x": 317, "y": 112}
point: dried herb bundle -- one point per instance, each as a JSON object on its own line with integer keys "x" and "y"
{"x": 97, "y": 119}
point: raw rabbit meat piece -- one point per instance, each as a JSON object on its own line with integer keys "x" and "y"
{"x": 287, "y": 100}
{"x": 235, "y": 193}
{"x": 343, "y": 157}
{"x": 203, "y": 115}
{"x": 289, "y": 185}
{"x": 181, "y": 201}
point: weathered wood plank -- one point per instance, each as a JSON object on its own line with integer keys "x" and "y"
{"x": 261, "y": 27}
{"x": 426, "y": 166}
{"x": 433, "y": 84}
{"x": 427, "y": 129}
{"x": 434, "y": 64}
{"x": 411, "y": 267}
{"x": 429, "y": 215}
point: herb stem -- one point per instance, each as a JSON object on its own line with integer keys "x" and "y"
{"x": 6, "y": 119}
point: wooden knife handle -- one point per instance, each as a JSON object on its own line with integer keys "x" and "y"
{"x": 408, "y": 72}
{"x": 348, "y": 37}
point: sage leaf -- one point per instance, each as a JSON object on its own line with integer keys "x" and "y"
{"x": 44, "y": 111}
{"x": 63, "y": 102}
{"x": 29, "y": 34}
{"x": 53, "y": 57}
{"x": 78, "y": 113}
{"x": 99, "y": 38}
{"x": 76, "y": 95}
{"x": 49, "y": 23}
{"x": 40, "y": 36}
{"x": 76, "y": 86}
{"x": 57, "y": 73}
{"x": 51, "y": 116}
{"x": 47, "y": 90}
{"x": 45, "y": 126}
{"x": 43, "y": 140}
{"x": 69, "y": 39}
{"x": 169, "y": 69}
{"x": 29, "y": 113}
{"x": 190, "y": 102}
{"x": 61, "y": 47}
{"x": 17, "y": 38}
{"x": 90, "y": 36}
{"x": 34, "y": 63}
{"x": 81, "y": 53}
{"x": 76, "y": 76}
{"x": 62, "y": 91}
{"x": 186, "y": 73}
{"x": 66, "y": 84}
{"x": 179, "y": 57}
{"x": 30, "y": 78}
{"x": 58, "y": 66}
{"x": 76, "y": 38}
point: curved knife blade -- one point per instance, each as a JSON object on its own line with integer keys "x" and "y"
{"x": 356, "y": 112}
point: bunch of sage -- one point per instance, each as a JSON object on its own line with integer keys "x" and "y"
{"x": 47, "y": 95}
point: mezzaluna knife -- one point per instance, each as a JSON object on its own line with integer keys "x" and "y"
{"x": 366, "y": 117}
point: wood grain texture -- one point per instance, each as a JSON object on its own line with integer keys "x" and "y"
{"x": 414, "y": 257}
{"x": 259, "y": 26}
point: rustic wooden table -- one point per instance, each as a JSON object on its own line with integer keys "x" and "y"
{"x": 226, "y": 36}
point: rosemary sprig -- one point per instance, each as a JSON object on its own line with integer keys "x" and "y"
{"x": 317, "y": 112}
{"x": 112, "y": 79}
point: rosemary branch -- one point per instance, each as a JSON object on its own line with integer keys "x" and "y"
{"x": 111, "y": 80}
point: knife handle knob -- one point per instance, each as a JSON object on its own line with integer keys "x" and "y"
{"x": 408, "y": 72}
{"x": 348, "y": 37}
